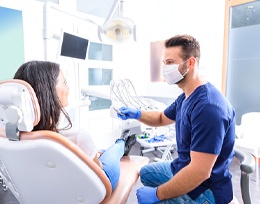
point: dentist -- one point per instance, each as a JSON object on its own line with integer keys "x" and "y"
{"x": 205, "y": 134}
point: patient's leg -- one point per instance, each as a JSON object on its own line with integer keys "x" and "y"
{"x": 110, "y": 160}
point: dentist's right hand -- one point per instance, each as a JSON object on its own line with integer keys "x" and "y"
{"x": 129, "y": 113}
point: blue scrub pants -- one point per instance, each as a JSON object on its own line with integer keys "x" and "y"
{"x": 110, "y": 160}
{"x": 155, "y": 174}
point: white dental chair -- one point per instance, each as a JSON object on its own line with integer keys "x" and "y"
{"x": 45, "y": 167}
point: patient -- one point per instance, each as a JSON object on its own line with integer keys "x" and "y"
{"x": 50, "y": 86}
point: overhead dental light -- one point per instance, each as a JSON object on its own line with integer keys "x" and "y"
{"x": 117, "y": 29}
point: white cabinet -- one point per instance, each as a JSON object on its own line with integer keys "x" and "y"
{"x": 100, "y": 73}
{"x": 96, "y": 81}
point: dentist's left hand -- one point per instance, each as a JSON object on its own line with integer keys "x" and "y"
{"x": 147, "y": 195}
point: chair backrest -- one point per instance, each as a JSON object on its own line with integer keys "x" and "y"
{"x": 43, "y": 166}
{"x": 250, "y": 125}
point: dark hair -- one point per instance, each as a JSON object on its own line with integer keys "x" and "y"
{"x": 42, "y": 76}
{"x": 190, "y": 46}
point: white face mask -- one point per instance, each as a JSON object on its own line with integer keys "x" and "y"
{"x": 171, "y": 73}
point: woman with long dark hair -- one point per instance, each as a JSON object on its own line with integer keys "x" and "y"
{"x": 50, "y": 86}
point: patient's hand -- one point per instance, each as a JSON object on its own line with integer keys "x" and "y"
{"x": 96, "y": 160}
{"x": 100, "y": 152}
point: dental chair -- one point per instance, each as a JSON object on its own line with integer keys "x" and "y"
{"x": 45, "y": 167}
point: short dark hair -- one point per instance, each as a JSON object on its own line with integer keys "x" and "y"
{"x": 42, "y": 76}
{"x": 190, "y": 46}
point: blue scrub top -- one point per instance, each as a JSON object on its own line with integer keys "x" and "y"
{"x": 205, "y": 122}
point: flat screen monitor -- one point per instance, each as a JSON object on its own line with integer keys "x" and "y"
{"x": 74, "y": 46}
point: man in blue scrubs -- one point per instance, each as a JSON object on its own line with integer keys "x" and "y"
{"x": 205, "y": 134}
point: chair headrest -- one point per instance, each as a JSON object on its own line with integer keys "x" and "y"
{"x": 19, "y": 107}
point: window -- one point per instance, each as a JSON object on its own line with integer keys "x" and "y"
{"x": 242, "y": 59}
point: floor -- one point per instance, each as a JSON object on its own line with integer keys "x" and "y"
{"x": 6, "y": 197}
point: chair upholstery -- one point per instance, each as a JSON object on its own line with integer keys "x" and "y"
{"x": 45, "y": 167}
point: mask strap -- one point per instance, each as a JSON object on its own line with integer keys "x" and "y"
{"x": 185, "y": 73}
{"x": 184, "y": 61}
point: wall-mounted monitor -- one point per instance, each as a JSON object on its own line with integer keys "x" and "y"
{"x": 73, "y": 46}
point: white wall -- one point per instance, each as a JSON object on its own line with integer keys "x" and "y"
{"x": 155, "y": 20}
{"x": 32, "y": 23}
{"x": 159, "y": 20}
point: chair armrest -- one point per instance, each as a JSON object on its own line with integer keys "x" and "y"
{"x": 247, "y": 162}
{"x": 247, "y": 166}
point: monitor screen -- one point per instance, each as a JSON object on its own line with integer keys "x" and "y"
{"x": 73, "y": 46}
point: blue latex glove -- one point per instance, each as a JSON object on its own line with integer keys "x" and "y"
{"x": 147, "y": 195}
{"x": 129, "y": 113}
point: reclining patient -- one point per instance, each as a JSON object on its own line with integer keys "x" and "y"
{"x": 50, "y": 86}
